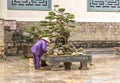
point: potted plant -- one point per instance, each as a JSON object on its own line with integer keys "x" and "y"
{"x": 57, "y": 25}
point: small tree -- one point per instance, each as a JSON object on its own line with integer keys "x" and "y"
{"x": 59, "y": 23}
{"x": 34, "y": 33}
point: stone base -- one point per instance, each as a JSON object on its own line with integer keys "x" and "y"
{"x": 83, "y": 66}
{"x": 67, "y": 65}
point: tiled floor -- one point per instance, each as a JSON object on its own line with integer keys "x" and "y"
{"x": 106, "y": 69}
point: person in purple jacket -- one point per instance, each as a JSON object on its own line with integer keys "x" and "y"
{"x": 38, "y": 49}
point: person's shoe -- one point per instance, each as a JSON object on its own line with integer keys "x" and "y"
{"x": 43, "y": 63}
{"x": 37, "y": 69}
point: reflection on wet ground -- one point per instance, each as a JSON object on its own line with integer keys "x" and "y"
{"x": 106, "y": 69}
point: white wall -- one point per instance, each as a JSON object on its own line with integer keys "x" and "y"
{"x": 77, "y": 7}
{"x": 3, "y": 8}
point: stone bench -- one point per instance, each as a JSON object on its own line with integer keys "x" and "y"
{"x": 117, "y": 50}
{"x": 67, "y": 60}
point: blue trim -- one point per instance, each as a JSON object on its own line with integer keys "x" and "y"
{"x": 29, "y": 4}
{"x": 103, "y": 5}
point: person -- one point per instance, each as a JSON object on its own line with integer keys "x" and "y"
{"x": 38, "y": 49}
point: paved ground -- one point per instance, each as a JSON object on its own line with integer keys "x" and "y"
{"x": 106, "y": 69}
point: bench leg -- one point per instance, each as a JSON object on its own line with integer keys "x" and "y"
{"x": 83, "y": 66}
{"x": 67, "y": 65}
{"x": 55, "y": 67}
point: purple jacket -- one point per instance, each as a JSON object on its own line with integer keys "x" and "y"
{"x": 39, "y": 47}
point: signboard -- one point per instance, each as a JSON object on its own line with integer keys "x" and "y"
{"x": 10, "y": 23}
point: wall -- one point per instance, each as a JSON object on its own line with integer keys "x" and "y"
{"x": 94, "y": 29}
{"x": 77, "y": 7}
{"x": 101, "y": 31}
{"x": 1, "y": 39}
{"x": 3, "y": 9}
{"x": 86, "y": 35}
{"x": 86, "y": 31}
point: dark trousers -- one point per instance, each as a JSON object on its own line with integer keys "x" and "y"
{"x": 36, "y": 61}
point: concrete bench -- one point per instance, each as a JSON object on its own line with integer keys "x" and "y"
{"x": 117, "y": 50}
{"x": 83, "y": 59}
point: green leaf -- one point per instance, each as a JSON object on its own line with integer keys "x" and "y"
{"x": 66, "y": 13}
{"x": 61, "y": 9}
{"x": 72, "y": 20}
{"x": 71, "y": 16}
{"x": 60, "y": 17}
{"x": 51, "y": 13}
{"x": 43, "y": 21}
{"x": 43, "y": 24}
{"x": 67, "y": 30}
{"x": 51, "y": 24}
{"x": 56, "y": 5}
{"x": 29, "y": 30}
{"x": 49, "y": 17}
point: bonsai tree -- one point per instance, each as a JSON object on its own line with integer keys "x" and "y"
{"x": 58, "y": 23}
{"x": 33, "y": 34}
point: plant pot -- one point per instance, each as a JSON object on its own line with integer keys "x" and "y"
{"x": 27, "y": 51}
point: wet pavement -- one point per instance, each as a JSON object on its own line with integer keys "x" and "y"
{"x": 106, "y": 69}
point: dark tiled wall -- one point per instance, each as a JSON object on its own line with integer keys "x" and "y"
{"x": 86, "y": 34}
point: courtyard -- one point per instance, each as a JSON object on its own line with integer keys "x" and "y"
{"x": 105, "y": 69}
{"x": 97, "y": 28}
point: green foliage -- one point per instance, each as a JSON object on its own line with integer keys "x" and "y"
{"x": 56, "y": 5}
{"x": 61, "y": 9}
{"x": 34, "y": 34}
{"x": 52, "y": 13}
{"x": 57, "y": 21}
{"x": 70, "y": 16}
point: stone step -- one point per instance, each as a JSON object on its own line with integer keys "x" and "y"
{"x": 101, "y": 51}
